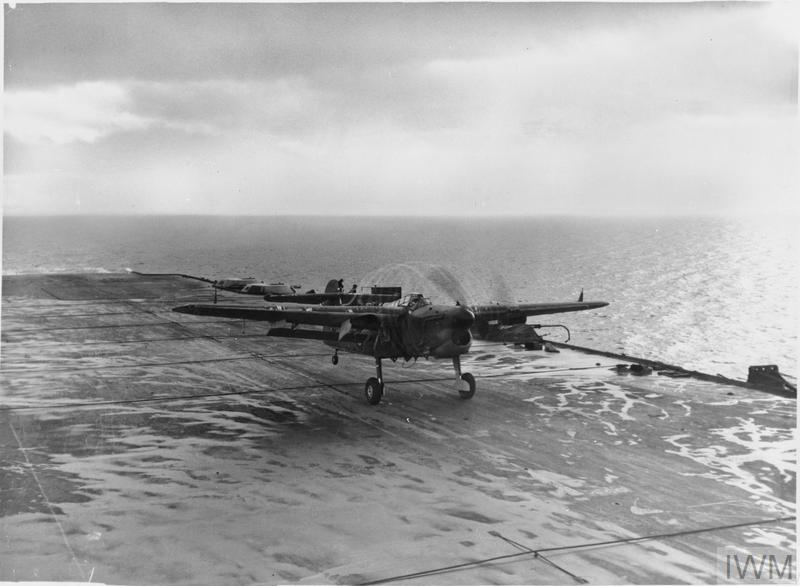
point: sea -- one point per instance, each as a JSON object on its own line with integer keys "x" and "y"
{"x": 715, "y": 294}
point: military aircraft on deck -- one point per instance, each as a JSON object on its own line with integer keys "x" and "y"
{"x": 283, "y": 293}
{"x": 265, "y": 289}
{"x": 411, "y": 327}
{"x": 234, "y": 285}
{"x": 333, "y": 295}
{"x": 243, "y": 285}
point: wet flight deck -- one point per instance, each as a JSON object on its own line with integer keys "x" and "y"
{"x": 138, "y": 445}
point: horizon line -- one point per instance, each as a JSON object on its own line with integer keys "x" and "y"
{"x": 498, "y": 215}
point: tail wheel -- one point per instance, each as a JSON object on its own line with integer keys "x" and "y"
{"x": 335, "y": 359}
{"x": 374, "y": 391}
{"x": 470, "y": 380}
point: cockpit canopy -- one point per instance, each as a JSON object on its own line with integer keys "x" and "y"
{"x": 413, "y": 301}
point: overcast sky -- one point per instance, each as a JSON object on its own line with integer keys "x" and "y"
{"x": 400, "y": 108}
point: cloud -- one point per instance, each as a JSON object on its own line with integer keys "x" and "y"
{"x": 438, "y": 109}
{"x": 222, "y": 106}
{"x": 605, "y": 80}
{"x": 89, "y": 112}
{"x": 185, "y": 41}
{"x": 608, "y": 67}
{"x": 83, "y": 112}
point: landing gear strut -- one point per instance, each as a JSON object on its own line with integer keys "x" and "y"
{"x": 466, "y": 377}
{"x": 374, "y": 387}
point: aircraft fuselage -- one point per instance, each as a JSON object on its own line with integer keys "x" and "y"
{"x": 436, "y": 331}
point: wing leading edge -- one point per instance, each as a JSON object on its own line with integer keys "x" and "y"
{"x": 500, "y": 312}
{"x": 336, "y": 316}
{"x": 309, "y": 316}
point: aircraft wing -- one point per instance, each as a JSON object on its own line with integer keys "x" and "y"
{"x": 323, "y": 335}
{"x": 204, "y": 279}
{"x": 516, "y": 313}
{"x": 331, "y": 317}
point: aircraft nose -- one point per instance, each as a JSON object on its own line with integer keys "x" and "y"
{"x": 461, "y": 320}
{"x": 461, "y": 317}
{"x": 448, "y": 334}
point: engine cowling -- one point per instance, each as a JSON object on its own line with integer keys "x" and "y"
{"x": 446, "y": 331}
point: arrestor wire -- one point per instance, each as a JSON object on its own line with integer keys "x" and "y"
{"x": 91, "y": 404}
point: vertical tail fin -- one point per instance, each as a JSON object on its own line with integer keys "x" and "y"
{"x": 332, "y": 286}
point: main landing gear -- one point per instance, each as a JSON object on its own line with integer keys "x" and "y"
{"x": 373, "y": 389}
{"x": 469, "y": 392}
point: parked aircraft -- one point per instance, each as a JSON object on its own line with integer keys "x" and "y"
{"x": 244, "y": 285}
{"x": 335, "y": 295}
{"x": 267, "y": 289}
{"x": 411, "y": 327}
{"x": 235, "y": 285}
{"x": 283, "y": 293}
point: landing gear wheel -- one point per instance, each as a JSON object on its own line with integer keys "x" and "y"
{"x": 335, "y": 359}
{"x": 374, "y": 391}
{"x": 470, "y": 380}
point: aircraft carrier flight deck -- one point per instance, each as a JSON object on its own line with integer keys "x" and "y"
{"x": 139, "y": 445}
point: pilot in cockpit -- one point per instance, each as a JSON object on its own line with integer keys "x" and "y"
{"x": 414, "y": 301}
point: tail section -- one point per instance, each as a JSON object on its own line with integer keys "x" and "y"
{"x": 332, "y": 286}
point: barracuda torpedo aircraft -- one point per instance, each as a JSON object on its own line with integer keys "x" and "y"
{"x": 411, "y": 327}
